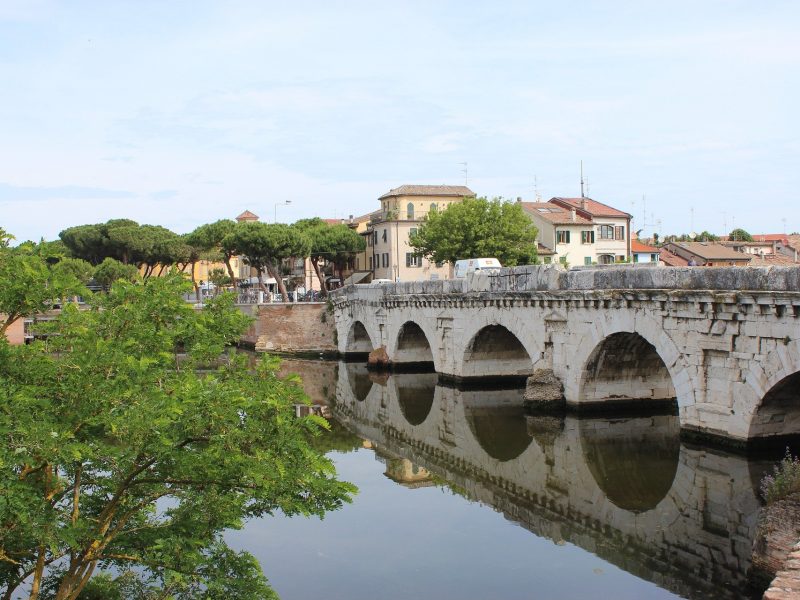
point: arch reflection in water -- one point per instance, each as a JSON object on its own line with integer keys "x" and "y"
{"x": 415, "y": 393}
{"x": 633, "y": 460}
{"x": 359, "y": 379}
{"x": 497, "y": 420}
{"x": 688, "y": 522}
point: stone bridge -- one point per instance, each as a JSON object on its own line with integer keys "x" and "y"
{"x": 724, "y": 343}
{"x": 624, "y": 489}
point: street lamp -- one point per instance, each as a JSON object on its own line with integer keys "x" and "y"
{"x": 284, "y": 203}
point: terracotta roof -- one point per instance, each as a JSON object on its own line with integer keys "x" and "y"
{"x": 333, "y": 221}
{"x": 637, "y": 246}
{"x": 247, "y": 216}
{"x": 367, "y": 217}
{"x": 772, "y": 259}
{"x": 542, "y": 250}
{"x": 711, "y": 251}
{"x": 460, "y": 191}
{"x": 670, "y": 259}
{"x": 555, "y": 214}
{"x": 593, "y": 207}
{"x": 771, "y": 237}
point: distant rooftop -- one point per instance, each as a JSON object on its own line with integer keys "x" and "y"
{"x": 592, "y": 207}
{"x": 711, "y": 251}
{"x": 247, "y": 216}
{"x": 639, "y": 247}
{"x": 555, "y": 214}
{"x": 460, "y": 191}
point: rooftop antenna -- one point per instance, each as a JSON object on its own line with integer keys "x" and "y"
{"x": 691, "y": 219}
{"x": 582, "y": 194}
{"x": 465, "y": 172}
{"x": 587, "y": 184}
{"x": 539, "y": 197}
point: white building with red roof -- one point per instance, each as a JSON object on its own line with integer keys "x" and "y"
{"x": 581, "y": 231}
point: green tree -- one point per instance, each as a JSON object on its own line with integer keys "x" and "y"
{"x": 111, "y": 270}
{"x": 116, "y": 454}
{"x": 29, "y": 283}
{"x": 740, "y": 235}
{"x": 335, "y": 243}
{"x": 211, "y": 236}
{"x": 264, "y": 246}
{"x": 477, "y": 227}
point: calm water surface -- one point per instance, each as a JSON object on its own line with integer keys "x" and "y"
{"x": 464, "y": 496}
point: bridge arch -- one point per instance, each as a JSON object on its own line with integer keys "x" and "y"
{"x": 652, "y": 334}
{"x": 775, "y": 384}
{"x": 623, "y": 367}
{"x": 358, "y": 340}
{"x": 412, "y": 345}
{"x": 494, "y": 351}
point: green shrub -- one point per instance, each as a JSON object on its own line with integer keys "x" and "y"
{"x": 784, "y": 481}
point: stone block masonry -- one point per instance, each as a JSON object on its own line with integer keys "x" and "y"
{"x": 301, "y": 327}
{"x": 722, "y": 342}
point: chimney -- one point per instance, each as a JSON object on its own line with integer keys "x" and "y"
{"x": 572, "y": 214}
{"x": 519, "y": 198}
{"x": 583, "y": 203}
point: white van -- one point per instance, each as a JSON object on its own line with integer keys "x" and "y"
{"x": 463, "y": 267}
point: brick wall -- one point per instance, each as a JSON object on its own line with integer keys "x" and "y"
{"x": 302, "y": 327}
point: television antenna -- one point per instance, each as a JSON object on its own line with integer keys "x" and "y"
{"x": 539, "y": 197}
{"x": 465, "y": 171}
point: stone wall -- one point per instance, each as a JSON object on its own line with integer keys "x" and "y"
{"x": 301, "y": 327}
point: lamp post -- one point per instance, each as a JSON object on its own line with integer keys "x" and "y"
{"x": 284, "y": 203}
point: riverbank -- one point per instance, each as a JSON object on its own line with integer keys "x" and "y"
{"x": 776, "y": 551}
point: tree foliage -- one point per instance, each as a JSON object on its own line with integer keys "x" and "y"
{"x": 30, "y": 284}
{"x": 740, "y": 235}
{"x": 477, "y": 227}
{"x": 263, "y": 246}
{"x": 116, "y": 454}
{"x": 111, "y": 270}
{"x": 337, "y": 244}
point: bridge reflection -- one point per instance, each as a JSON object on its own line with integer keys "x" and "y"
{"x": 625, "y": 489}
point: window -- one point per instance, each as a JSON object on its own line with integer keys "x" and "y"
{"x": 606, "y": 232}
{"x": 375, "y": 236}
{"x": 620, "y": 258}
{"x": 412, "y": 260}
{"x": 434, "y": 207}
{"x": 562, "y": 260}
{"x": 636, "y": 258}
{"x": 369, "y": 241}
{"x": 587, "y": 260}
{"x": 412, "y": 231}
{"x": 370, "y": 263}
{"x": 385, "y": 259}
{"x": 384, "y": 235}
{"x": 548, "y": 260}
{"x": 562, "y": 237}
{"x": 410, "y": 211}
{"x": 619, "y": 232}
{"x": 654, "y": 258}
{"x": 587, "y": 237}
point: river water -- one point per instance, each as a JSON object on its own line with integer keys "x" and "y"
{"x": 462, "y": 495}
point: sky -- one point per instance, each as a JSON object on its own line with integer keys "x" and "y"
{"x": 684, "y": 113}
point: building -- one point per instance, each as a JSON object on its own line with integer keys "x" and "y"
{"x": 389, "y": 255}
{"x": 642, "y": 253}
{"x": 708, "y": 254}
{"x": 581, "y": 231}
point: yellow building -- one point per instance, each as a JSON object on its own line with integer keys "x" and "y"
{"x": 388, "y": 254}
